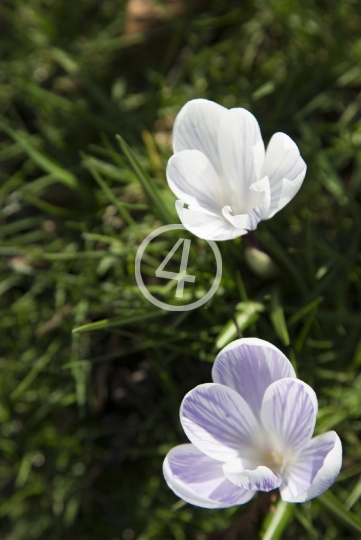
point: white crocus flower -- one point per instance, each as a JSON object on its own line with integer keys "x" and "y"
{"x": 220, "y": 169}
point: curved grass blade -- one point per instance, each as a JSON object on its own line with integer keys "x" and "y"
{"x": 246, "y": 313}
{"x": 118, "y": 321}
{"x": 153, "y": 193}
{"x": 112, "y": 198}
{"x": 276, "y": 523}
{"x": 344, "y": 516}
{"x": 278, "y": 318}
{"x": 43, "y": 161}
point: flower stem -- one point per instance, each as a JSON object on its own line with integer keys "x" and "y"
{"x": 276, "y": 522}
{"x": 249, "y": 523}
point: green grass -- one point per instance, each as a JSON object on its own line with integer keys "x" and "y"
{"x": 86, "y": 417}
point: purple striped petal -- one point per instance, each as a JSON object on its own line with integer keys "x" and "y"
{"x": 193, "y": 179}
{"x": 315, "y": 470}
{"x": 243, "y": 474}
{"x": 285, "y": 169}
{"x": 241, "y": 151}
{"x": 289, "y": 410}
{"x": 249, "y": 366}
{"x": 199, "y": 480}
{"x": 206, "y": 225}
{"x": 218, "y": 421}
{"x": 196, "y": 128}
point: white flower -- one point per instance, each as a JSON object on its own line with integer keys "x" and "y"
{"x": 221, "y": 170}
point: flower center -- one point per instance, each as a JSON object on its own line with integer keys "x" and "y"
{"x": 268, "y": 450}
{"x": 273, "y": 460}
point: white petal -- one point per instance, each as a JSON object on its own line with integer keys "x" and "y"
{"x": 241, "y": 151}
{"x": 193, "y": 179}
{"x": 196, "y": 128}
{"x": 242, "y": 474}
{"x": 248, "y": 222}
{"x": 260, "y": 200}
{"x": 199, "y": 479}
{"x": 285, "y": 169}
{"x": 249, "y": 366}
{"x": 262, "y": 187}
{"x": 315, "y": 470}
{"x": 207, "y": 225}
{"x": 218, "y": 421}
{"x": 289, "y": 409}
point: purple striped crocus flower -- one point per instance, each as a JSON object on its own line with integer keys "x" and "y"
{"x": 251, "y": 430}
{"x": 221, "y": 170}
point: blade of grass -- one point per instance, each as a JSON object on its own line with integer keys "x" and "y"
{"x": 305, "y": 310}
{"x": 13, "y": 502}
{"x": 118, "y": 321}
{"x": 152, "y": 192}
{"x": 112, "y": 198}
{"x": 276, "y": 523}
{"x": 46, "y": 207}
{"x": 42, "y": 160}
{"x": 278, "y": 318}
{"x": 80, "y": 370}
{"x": 246, "y": 313}
{"x": 337, "y": 509}
{"x": 36, "y": 369}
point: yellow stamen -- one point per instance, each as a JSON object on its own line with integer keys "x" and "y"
{"x": 273, "y": 460}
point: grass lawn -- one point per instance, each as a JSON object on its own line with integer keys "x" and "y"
{"x": 86, "y": 417}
